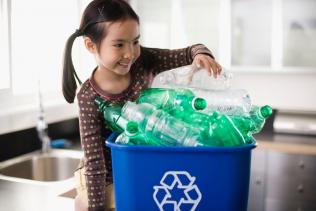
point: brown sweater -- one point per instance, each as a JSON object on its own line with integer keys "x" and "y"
{"x": 93, "y": 131}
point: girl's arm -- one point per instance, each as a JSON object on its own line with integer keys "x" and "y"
{"x": 92, "y": 144}
{"x": 160, "y": 60}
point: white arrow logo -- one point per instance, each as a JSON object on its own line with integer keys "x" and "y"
{"x": 182, "y": 180}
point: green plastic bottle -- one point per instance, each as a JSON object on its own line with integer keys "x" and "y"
{"x": 160, "y": 125}
{"x": 112, "y": 115}
{"x": 218, "y": 130}
{"x": 180, "y": 103}
{"x": 253, "y": 122}
{"x": 172, "y": 99}
{"x": 132, "y": 135}
{"x": 199, "y": 120}
{"x": 224, "y": 132}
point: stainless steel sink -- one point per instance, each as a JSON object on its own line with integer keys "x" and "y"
{"x": 54, "y": 166}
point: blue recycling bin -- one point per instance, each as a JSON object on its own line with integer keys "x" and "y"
{"x": 181, "y": 178}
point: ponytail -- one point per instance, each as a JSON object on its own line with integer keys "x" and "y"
{"x": 69, "y": 84}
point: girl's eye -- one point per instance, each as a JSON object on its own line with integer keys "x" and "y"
{"x": 119, "y": 45}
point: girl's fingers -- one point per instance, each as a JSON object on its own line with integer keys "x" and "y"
{"x": 207, "y": 65}
{"x": 206, "y": 62}
{"x": 219, "y": 68}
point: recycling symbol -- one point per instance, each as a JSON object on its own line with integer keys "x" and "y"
{"x": 177, "y": 192}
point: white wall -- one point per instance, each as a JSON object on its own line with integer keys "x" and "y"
{"x": 282, "y": 91}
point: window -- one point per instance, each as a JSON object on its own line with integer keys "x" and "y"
{"x": 33, "y": 34}
{"x": 269, "y": 33}
{"x": 178, "y": 23}
{"x": 256, "y": 34}
{"x": 251, "y": 32}
{"x": 299, "y": 33}
{"x": 39, "y": 32}
{"x": 4, "y": 46}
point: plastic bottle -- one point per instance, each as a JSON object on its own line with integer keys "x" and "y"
{"x": 131, "y": 135}
{"x": 229, "y": 102}
{"x": 162, "y": 126}
{"x": 171, "y": 99}
{"x": 225, "y": 133}
{"x": 253, "y": 122}
{"x": 191, "y": 76}
{"x": 112, "y": 115}
{"x": 218, "y": 130}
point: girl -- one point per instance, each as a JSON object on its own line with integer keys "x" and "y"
{"x": 110, "y": 30}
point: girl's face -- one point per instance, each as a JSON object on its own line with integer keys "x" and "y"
{"x": 120, "y": 47}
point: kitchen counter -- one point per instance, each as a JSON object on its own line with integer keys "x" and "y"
{"x": 20, "y": 196}
{"x": 298, "y": 144}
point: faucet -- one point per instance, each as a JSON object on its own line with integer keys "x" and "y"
{"x": 41, "y": 127}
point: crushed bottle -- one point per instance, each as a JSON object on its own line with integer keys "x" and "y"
{"x": 252, "y": 123}
{"x": 193, "y": 77}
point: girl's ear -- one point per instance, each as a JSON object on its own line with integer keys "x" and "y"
{"x": 91, "y": 46}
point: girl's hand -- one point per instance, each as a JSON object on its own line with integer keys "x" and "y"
{"x": 207, "y": 62}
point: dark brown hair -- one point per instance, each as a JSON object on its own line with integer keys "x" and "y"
{"x": 93, "y": 26}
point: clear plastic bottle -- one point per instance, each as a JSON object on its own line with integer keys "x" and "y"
{"x": 191, "y": 76}
{"x": 229, "y": 102}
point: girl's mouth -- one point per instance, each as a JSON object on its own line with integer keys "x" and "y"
{"x": 125, "y": 65}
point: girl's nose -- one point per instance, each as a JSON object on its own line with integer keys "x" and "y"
{"x": 129, "y": 52}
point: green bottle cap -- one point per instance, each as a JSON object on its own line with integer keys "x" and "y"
{"x": 132, "y": 128}
{"x": 266, "y": 111}
{"x": 199, "y": 103}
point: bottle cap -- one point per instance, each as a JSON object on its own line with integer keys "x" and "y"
{"x": 131, "y": 128}
{"x": 266, "y": 111}
{"x": 199, "y": 103}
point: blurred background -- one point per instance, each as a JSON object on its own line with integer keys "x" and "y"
{"x": 270, "y": 46}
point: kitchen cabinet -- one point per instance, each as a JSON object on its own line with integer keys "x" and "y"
{"x": 257, "y": 181}
{"x": 282, "y": 181}
{"x": 291, "y": 182}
